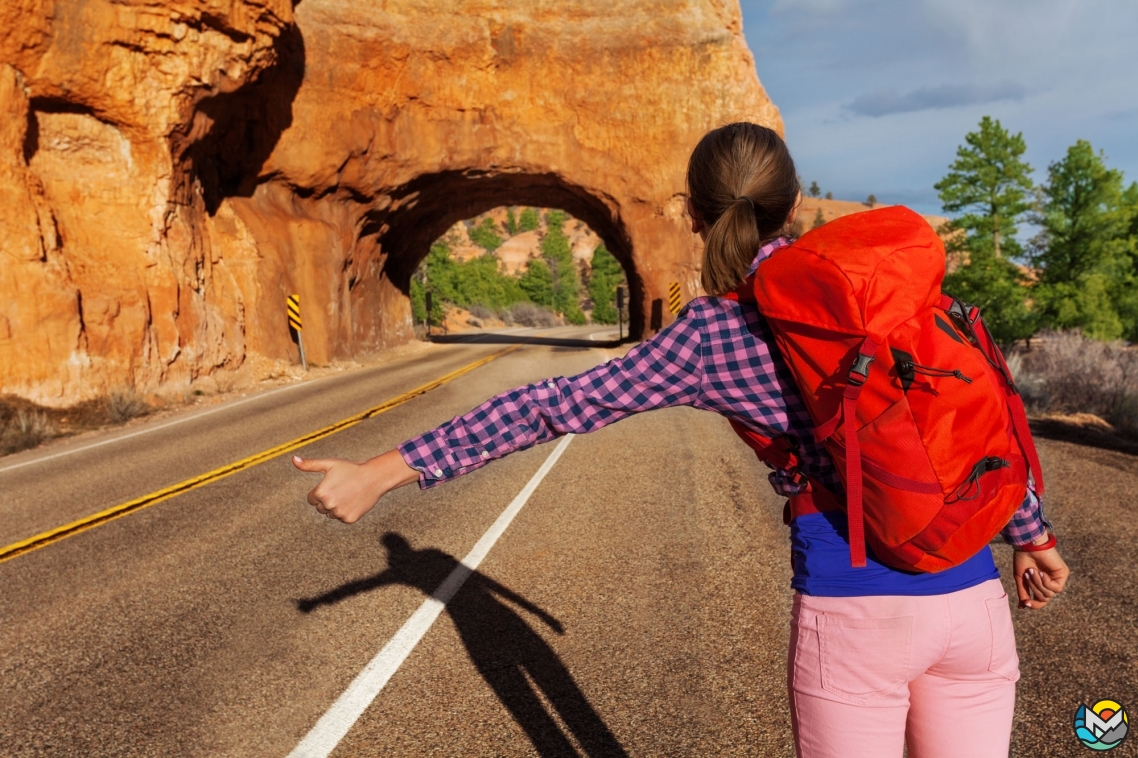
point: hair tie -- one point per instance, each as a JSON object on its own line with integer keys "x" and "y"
{"x": 749, "y": 200}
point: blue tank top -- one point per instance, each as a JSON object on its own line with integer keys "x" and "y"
{"x": 820, "y": 549}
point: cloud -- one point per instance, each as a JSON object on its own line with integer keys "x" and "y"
{"x": 812, "y": 7}
{"x": 886, "y": 101}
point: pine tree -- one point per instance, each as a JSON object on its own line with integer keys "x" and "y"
{"x": 528, "y": 220}
{"x": 819, "y": 219}
{"x": 989, "y": 185}
{"x": 486, "y": 235}
{"x": 559, "y": 258}
{"x": 829, "y": 195}
{"x": 537, "y": 282}
{"x": 511, "y": 222}
{"x": 871, "y": 200}
{"x": 606, "y": 275}
{"x": 1084, "y": 250}
{"x": 815, "y": 190}
{"x": 1127, "y": 287}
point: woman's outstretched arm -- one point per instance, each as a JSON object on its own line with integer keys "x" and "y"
{"x": 665, "y": 371}
{"x": 349, "y": 489}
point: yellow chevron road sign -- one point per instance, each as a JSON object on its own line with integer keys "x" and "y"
{"x": 294, "y": 312}
{"x": 674, "y": 297}
{"x": 293, "y": 303}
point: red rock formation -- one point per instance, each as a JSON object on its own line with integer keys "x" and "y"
{"x": 173, "y": 170}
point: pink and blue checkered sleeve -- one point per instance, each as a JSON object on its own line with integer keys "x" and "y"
{"x": 1027, "y": 523}
{"x": 662, "y": 372}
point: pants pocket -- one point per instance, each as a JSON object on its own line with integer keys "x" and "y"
{"x": 1004, "y": 660}
{"x": 864, "y": 660}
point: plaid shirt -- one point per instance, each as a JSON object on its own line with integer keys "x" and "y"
{"x": 715, "y": 356}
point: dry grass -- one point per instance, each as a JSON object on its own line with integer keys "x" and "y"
{"x": 528, "y": 314}
{"x": 123, "y": 404}
{"x": 24, "y": 424}
{"x": 1070, "y": 373}
{"x": 25, "y": 429}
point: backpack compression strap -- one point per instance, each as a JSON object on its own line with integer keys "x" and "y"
{"x": 969, "y": 317}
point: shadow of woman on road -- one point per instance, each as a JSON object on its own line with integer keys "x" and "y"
{"x": 506, "y": 651}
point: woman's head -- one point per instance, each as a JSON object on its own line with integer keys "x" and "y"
{"x": 742, "y": 188}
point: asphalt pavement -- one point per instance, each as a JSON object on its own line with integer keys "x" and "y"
{"x": 638, "y": 604}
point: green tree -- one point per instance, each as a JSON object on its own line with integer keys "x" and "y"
{"x": 528, "y": 220}
{"x": 1083, "y": 252}
{"x": 511, "y": 222}
{"x": 485, "y": 235}
{"x": 819, "y": 219}
{"x": 559, "y": 258}
{"x": 606, "y": 275}
{"x": 537, "y": 282}
{"x": 871, "y": 200}
{"x": 989, "y": 186}
{"x": 815, "y": 190}
{"x": 829, "y": 195}
{"x": 1127, "y": 286}
{"x": 478, "y": 281}
{"x": 437, "y": 275}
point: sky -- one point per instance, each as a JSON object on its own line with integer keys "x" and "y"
{"x": 876, "y": 95}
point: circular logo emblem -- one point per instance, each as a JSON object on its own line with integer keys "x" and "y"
{"x": 1103, "y": 726}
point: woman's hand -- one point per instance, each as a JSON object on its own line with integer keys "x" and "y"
{"x": 349, "y": 489}
{"x": 1039, "y": 576}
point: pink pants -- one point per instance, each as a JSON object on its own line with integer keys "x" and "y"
{"x": 867, "y": 675}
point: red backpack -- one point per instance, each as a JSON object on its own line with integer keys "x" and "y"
{"x": 905, "y": 386}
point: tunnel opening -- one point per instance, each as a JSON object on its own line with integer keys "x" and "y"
{"x": 519, "y": 266}
{"x": 414, "y": 218}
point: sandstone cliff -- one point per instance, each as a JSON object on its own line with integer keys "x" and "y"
{"x": 169, "y": 171}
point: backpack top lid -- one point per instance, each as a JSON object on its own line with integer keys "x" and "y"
{"x": 860, "y": 274}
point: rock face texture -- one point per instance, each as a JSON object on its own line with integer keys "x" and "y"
{"x": 170, "y": 171}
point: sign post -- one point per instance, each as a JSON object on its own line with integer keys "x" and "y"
{"x": 620, "y": 314}
{"x": 293, "y": 302}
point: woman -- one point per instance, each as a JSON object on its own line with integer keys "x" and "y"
{"x": 878, "y": 657}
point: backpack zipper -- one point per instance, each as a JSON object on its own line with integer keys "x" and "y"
{"x": 961, "y": 493}
{"x": 909, "y": 367}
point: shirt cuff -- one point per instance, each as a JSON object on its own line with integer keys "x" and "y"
{"x": 1027, "y": 523}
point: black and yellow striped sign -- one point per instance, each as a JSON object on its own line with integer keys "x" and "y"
{"x": 674, "y": 297}
{"x": 294, "y": 312}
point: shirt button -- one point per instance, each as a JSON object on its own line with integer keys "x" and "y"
{"x": 438, "y": 472}
{"x": 485, "y": 454}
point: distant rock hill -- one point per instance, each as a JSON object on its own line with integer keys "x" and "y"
{"x": 518, "y": 249}
{"x": 808, "y": 213}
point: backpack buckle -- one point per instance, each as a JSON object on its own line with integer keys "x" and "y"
{"x": 859, "y": 371}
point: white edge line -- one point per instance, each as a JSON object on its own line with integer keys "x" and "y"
{"x": 322, "y": 739}
{"x": 148, "y": 429}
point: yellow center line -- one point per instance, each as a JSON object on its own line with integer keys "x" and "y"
{"x": 90, "y": 522}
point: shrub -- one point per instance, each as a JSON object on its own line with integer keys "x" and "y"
{"x": 123, "y": 404}
{"x": 480, "y": 311}
{"x": 1068, "y": 372}
{"x": 528, "y": 314}
{"x": 26, "y": 429}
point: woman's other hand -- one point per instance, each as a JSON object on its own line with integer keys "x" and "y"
{"x": 349, "y": 489}
{"x": 1039, "y": 576}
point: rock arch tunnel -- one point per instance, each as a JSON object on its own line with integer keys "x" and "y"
{"x": 431, "y": 204}
{"x": 360, "y": 135}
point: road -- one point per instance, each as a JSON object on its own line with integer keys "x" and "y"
{"x": 638, "y": 603}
